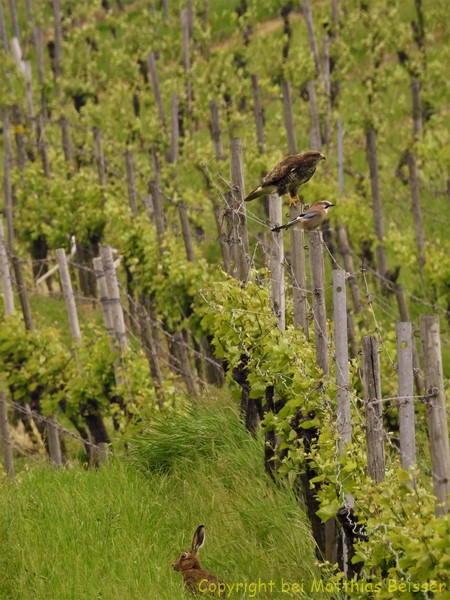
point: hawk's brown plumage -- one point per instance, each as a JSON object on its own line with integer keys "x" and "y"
{"x": 288, "y": 175}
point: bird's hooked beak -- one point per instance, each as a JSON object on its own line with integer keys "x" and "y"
{"x": 322, "y": 157}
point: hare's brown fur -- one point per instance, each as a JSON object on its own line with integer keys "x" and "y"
{"x": 189, "y": 565}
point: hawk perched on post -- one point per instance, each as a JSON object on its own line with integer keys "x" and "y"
{"x": 288, "y": 175}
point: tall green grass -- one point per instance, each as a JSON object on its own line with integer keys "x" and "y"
{"x": 113, "y": 533}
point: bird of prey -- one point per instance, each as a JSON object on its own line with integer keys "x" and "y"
{"x": 288, "y": 175}
{"x": 311, "y": 219}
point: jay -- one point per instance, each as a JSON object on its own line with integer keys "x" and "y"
{"x": 311, "y": 219}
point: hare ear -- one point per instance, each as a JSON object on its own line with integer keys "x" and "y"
{"x": 198, "y": 539}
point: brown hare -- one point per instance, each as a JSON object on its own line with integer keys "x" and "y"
{"x": 195, "y": 578}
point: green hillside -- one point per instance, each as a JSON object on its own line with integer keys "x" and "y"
{"x": 115, "y": 532}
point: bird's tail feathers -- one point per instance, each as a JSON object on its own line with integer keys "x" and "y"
{"x": 259, "y": 191}
{"x": 286, "y": 225}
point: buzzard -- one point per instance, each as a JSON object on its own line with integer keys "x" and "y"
{"x": 288, "y": 176}
{"x": 311, "y": 219}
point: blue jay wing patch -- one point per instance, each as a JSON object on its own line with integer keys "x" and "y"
{"x": 309, "y": 215}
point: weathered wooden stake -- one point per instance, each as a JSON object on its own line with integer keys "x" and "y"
{"x": 315, "y": 137}
{"x": 404, "y": 316}
{"x": 186, "y": 231}
{"x": 299, "y": 298}
{"x": 150, "y": 350}
{"x": 158, "y": 213}
{"x": 67, "y": 148}
{"x": 216, "y": 133}
{"x": 131, "y": 185}
{"x": 3, "y": 32}
{"x": 347, "y": 256}
{"x": 373, "y": 408}
{"x": 42, "y": 145}
{"x": 318, "y": 299}
{"x": 14, "y": 19}
{"x": 114, "y": 295}
{"x": 57, "y": 21}
{"x": 327, "y": 88}
{"x": 99, "y": 157}
{"x": 371, "y": 151}
{"x": 174, "y": 130}
{"x": 5, "y": 436}
{"x": 5, "y": 274}
{"x": 416, "y": 209}
{"x": 68, "y": 294}
{"x": 186, "y": 59}
{"x": 311, "y": 36}
{"x": 277, "y": 261}
{"x": 288, "y": 117}
{"x": 340, "y": 154}
{"x": 238, "y": 214}
{"x": 54, "y": 444}
{"x": 436, "y": 410}
{"x": 344, "y": 424}
{"x": 405, "y": 392}
{"x": 155, "y": 84}
{"x": 259, "y": 115}
{"x": 224, "y": 247}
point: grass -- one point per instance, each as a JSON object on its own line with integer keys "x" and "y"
{"x": 114, "y": 532}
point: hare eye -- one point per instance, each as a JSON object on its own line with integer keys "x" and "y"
{"x": 184, "y": 555}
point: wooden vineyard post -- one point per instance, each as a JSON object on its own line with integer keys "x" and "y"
{"x": 186, "y": 231}
{"x": 405, "y": 393}
{"x": 99, "y": 157}
{"x": 54, "y": 444}
{"x": 288, "y": 117}
{"x": 299, "y": 299}
{"x": 42, "y": 145}
{"x": 5, "y": 436}
{"x": 174, "y": 130}
{"x": 315, "y": 138}
{"x": 69, "y": 297}
{"x": 104, "y": 300}
{"x": 131, "y": 185}
{"x": 436, "y": 411}
{"x": 327, "y": 87}
{"x": 344, "y": 423}
{"x": 150, "y": 350}
{"x": 158, "y": 213}
{"x": 224, "y": 247}
{"x": 114, "y": 296}
{"x": 371, "y": 151}
{"x": 65, "y": 137}
{"x": 155, "y": 84}
{"x": 186, "y": 59}
{"x": 7, "y": 182}
{"x": 417, "y": 212}
{"x": 57, "y": 21}
{"x": 5, "y": 275}
{"x": 311, "y": 36}
{"x": 318, "y": 299}
{"x": 346, "y": 253}
{"x": 373, "y": 408}
{"x": 9, "y": 210}
{"x": 404, "y": 316}
{"x": 340, "y": 154}
{"x": 259, "y": 114}
{"x": 238, "y": 212}
{"x": 216, "y": 133}
{"x": 277, "y": 261}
